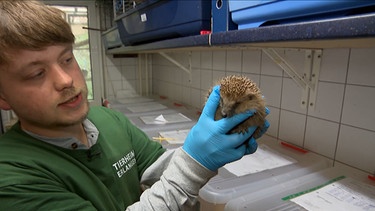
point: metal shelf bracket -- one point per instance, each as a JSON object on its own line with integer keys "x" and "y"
{"x": 314, "y": 77}
{"x": 178, "y": 64}
{"x": 309, "y": 80}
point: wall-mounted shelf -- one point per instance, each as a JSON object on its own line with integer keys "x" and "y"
{"x": 178, "y": 43}
{"x": 346, "y": 32}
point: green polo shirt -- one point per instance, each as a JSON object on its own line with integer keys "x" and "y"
{"x": 34, "y": 173}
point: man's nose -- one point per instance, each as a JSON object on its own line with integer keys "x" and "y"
{"x": 62, "y": 79}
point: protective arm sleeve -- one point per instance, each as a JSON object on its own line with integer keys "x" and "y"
{"x": 153, "y": 173}
{"x": 178, "y": 186}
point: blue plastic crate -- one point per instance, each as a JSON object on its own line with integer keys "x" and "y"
{"x": 249, "y": 14}
{"x": 162, "y": 19}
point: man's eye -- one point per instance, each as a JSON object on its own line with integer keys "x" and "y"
{"x": 68, "y": 60}
{"x": 38, "y": 75}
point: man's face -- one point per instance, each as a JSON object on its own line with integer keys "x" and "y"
{"x": 45, "y": 88}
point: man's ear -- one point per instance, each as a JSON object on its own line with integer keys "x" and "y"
{"x": 3, "y": 103}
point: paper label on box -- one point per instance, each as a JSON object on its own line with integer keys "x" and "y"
{"x": 345, "y": 194}
{"x": 143, "y": 17}
{"x": 175, "y": 136}
{"x": 165, "y": 118}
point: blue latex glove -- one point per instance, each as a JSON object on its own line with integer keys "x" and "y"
{"x": 208, "y": 141}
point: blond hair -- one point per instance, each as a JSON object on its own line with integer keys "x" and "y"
{"x": 31, "y": 25}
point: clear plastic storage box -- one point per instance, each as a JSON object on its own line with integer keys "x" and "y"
{"x": 336, "y": 188}
{"x": 271, "y": 165}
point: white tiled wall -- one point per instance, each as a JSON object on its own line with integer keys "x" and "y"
{"x": 342, "y": 125}
{"x": 121, "y": 75}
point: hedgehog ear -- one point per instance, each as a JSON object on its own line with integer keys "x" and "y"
{"x": 250, "y": 97}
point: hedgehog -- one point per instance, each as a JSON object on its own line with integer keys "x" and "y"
{"x": 237, "y": 95}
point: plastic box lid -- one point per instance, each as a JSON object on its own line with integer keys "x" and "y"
{"x": 278, "y": 197}
{"x": 145, "y": 107}
{"x": 226, "y": 186}
{"x": 152, "y": 105}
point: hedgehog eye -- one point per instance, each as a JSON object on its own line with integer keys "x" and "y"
{"x": 250, "y": 97}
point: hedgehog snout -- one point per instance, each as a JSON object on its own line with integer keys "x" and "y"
{"x": 226, "y": 113}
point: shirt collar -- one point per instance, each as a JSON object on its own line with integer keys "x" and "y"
{"x": 92, "y": 134}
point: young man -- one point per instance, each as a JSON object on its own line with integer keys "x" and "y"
{"x": 64, "y": 155}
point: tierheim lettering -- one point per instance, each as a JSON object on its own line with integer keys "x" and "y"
{"x": 124, "y": 164}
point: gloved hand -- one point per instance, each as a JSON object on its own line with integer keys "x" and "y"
{"x": 208, "y": 141}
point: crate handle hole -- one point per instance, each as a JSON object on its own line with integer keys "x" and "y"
{"x": 219, "y": 4}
